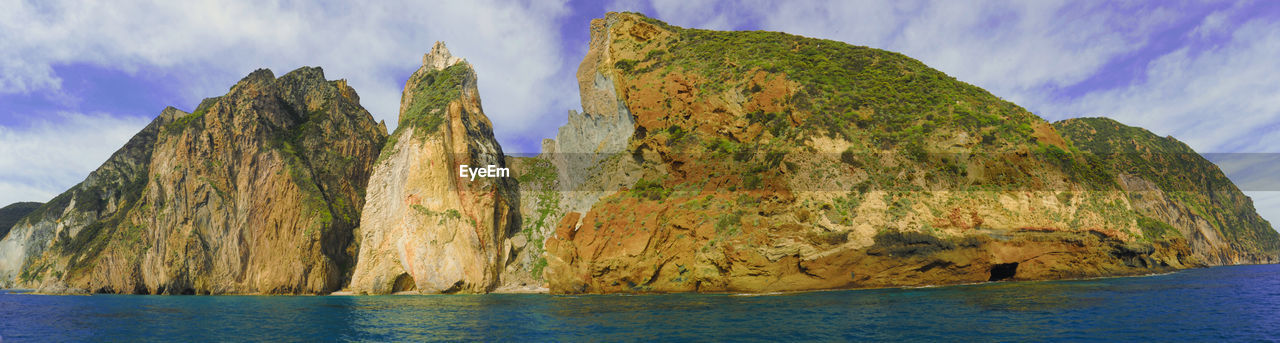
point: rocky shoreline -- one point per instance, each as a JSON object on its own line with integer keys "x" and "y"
{"x": 702, "y": 161}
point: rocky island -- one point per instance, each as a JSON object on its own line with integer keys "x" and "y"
{"x": 702, "y": 161}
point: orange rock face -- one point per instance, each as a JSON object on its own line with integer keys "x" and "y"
{"x": 257, "y": 192}
{"x": 425, "y": 229}
{"x": 733, "y": 183}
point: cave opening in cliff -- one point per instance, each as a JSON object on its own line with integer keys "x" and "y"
{"x": 1001, "y": 271}
{"x": 404, "y": 283}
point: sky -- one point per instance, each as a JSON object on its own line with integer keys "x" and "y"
{"x": 78, "y": 78}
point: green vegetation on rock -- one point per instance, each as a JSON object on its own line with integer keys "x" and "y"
{"x": 430, "y": 103}
{"x": 540, "y": 177}
{"x": 10, "y": 215}
{"x": 1185, "y": 176}
{"x": 875, "y": 99}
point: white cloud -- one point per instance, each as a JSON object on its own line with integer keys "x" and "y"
{"x": 1214, "y": 23}
{"x": 211, "y": 44}
{"x": 41, "y": 160}
{"x": 1216, "y": 99}
{"x": 705, "y": 13}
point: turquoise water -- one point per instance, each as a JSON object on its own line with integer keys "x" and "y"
{"x": 1228, "y": 303}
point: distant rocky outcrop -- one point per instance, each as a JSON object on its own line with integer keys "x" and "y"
{"x": 424, "y": 229}
{"x": 101, "y": 196}
{"x": 1173, "y": 187}
{"x": 9, "y": 215}
{"x": 256, "y": 191}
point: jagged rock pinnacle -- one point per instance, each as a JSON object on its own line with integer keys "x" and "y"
{"x": 439, "y": 57}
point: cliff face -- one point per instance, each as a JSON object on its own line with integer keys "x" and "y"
{"x": 601, "y": 130}
{"x": 762, "y": 161}
{"x": 1171, "y": 185}
{"x": 105, "y": 193}
{"x": 10, "y": 215}
{"x": 702, "y": 161}
{"x": 256, "y": 191}
{"x": 424, "y": 229}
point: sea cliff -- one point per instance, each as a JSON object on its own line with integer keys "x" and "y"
{"x": 701, "y": 161}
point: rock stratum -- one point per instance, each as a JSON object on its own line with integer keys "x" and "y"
{"x": 256, "y": 191}
{"x": 702, "y": 161}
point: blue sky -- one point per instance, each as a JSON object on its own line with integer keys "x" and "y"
{"x": 77, "y": 78}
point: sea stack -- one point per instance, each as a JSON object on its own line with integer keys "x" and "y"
{"x": 426, "y": 228}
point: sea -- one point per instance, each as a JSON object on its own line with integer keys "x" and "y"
{"x": 1237, "y": 303}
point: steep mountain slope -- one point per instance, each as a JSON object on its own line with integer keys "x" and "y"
{"x": 1169, "y": 183}
{"x": 761, "y": 161}
{"x": 103, "y": 194}
{"x": 425, "y": 229}
{"x": 10, "y": 215}
{"x": 256, "y": 191}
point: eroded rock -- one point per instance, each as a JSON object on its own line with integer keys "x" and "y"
{"x": 256, "y": 191}
{"x": 425, "y": 229}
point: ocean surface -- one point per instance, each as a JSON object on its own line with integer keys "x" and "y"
{"x": 1240, "y": 303}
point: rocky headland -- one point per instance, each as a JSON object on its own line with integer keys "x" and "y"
{"x": 701, "y": 161}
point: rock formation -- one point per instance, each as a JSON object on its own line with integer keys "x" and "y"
{"x": 9, "y": 215}
{"x": 1173, "y": 187}
{"x": 100, "y": 196}
{"x": 702, "y": 161}
{"x": 256, "y": 191}
{"x": 761, "y": 161}
{"x": 424, "y": 229}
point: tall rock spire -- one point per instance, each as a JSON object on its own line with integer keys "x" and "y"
{"x": 439, "y": 57}
{"x": 427, "y": 229}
